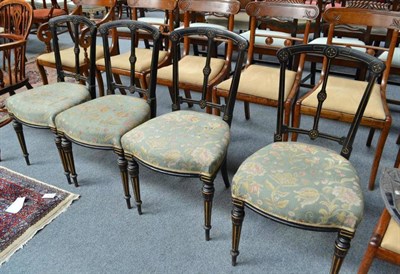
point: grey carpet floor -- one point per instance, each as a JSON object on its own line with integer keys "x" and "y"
{"x": 98, "y": 234}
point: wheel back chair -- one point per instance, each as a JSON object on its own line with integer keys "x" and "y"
{"x": 191, "y": 66}
{"x": 16, "y": 22}
{"x": 188, "y": 143}
{"x": 101, "y": 123}
{"x": 39, "y": 106}
{"x": 47, "y": 60}
{"x": 120, "y": 61}
{"x": 260, "y": 82}
{"x": 303, "y": 185}
{"x": 342, "y": 104}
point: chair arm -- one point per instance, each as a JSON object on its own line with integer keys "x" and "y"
{"x": 44, "y": 35}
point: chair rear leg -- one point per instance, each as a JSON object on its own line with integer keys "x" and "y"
{"x": 57, "y": 140}
{"x": 133, "y": 170}
{"x": 123, "y": 168}
{"x": 20, "y": 134}
{"x": 224, "y": 172}
{"x": 247, "y": 110}
{"x": 208, "y": 195}
{"x": 67, "y": 148}
{"x": 370, "y": 137}
{"x": 342, "y": 245}
{"x": 237, "y": 215}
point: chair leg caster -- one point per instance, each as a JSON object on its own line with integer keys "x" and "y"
{"x": 139, "y": 209}
{"x": 68, "y": 177}
{"x": 207, "y": 230}
{"x": 75, "y": 180}
{"x": 27, "y": 159}
{"x": 234, "y": 255}
{"x": 128, "y": 202}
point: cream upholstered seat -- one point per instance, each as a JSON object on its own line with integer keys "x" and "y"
{"x": 143, "y": 60}
{"x": 346, "y": 96}
{"x": 67, "y": 56}
{"x": 391, "y": 239}
{"x": 395, "y": 59}
{"x": 261, "y": 35}
{"x": 47, "y": 59}
{"x": 341, "y": 103}
{"x": 354, "y": 42}
{"x": 384, "y": 243}
{"x": 260, "y": 81}
{"x": 190, "y": 68}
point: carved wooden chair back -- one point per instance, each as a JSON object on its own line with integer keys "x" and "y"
{"x": 15, "y": 18}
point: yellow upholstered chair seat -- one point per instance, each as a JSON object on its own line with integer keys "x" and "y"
{"x": 391, "y": 240}
{"x": 143, "y": 56}
{"x": 261, "y": 81}
{"x": 190, "y": 67}
{"x": 346, "y": 96}
{"x": 68, "y": 57}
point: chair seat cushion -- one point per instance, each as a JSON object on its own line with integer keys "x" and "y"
{"x": 43, "y": 14}
{"x": 345, "y": 95}
{"x": 395, "y": 59}
{"x": 142, "y": 64}
{"x": 262, "y": 35}
{"x": 391, "y": 239}
{"x": 68, "y": 57}
{"x": 345, "y": 40}
{"x": 186, "y": 142}
{"x": 302, "y": 184}
{"x": 261, "y": 81}
{"x": 191, "y": 70}
{"x": 39, "y": 106}
{"x": 103, "y": 121}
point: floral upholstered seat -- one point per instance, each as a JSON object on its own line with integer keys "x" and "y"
{"x": 197, "y": 147}
{"x": 302, "y": 183}
{"x": 103, "y": 121}
{"x": 52, "y": 100}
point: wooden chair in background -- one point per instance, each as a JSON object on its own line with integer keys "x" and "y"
{"x": 341, "y": 105}
{"x": 191, "y": 66}
{"x": 260, "y": 83}
{"x": 16, "y": 22}
{"x": 384, "y": 243}
{"x": 121, "y": 65}
{"x": 47, "y": 60}
{"x": 303, "y": 185}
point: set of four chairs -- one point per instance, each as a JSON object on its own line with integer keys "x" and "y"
{"x": 295, "y": 183}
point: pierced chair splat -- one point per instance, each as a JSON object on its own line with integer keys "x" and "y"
{"x": 39, "y": 106}
{"x": 188, "y": 143}
{"x": 100, "y": 123}
{"x": 303, "y": 185}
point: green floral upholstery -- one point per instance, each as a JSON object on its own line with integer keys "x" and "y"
{"x": 40, "y": 105}
{"x": 103, "y": 121}
{"x": 180, "y": 141}
{"x": 303, "y": 184}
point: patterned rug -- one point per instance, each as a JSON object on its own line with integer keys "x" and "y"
{"x": 16, "y": 229}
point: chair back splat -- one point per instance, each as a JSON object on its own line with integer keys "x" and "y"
{"x": 304, "y": 185}
{"x": 213, "y": 36}
{"x": 134, "y": 28}
{"x": 329, "y": 53}
{"x": 85, "y": 39}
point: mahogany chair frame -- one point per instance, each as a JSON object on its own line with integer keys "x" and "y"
{"x": 189, "y": 7}
{"x": 371, "y": 18}
{"x": 45, "y": 36}
{"x": 169, "y": 6}
{"x": 275, "y": 10}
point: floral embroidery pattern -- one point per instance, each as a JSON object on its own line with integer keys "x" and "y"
{"x": 302, "y": 183}
{"x": 40, "y": 106}
{"x": 103, "y": 121}
{"x": 180, "y": 141}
